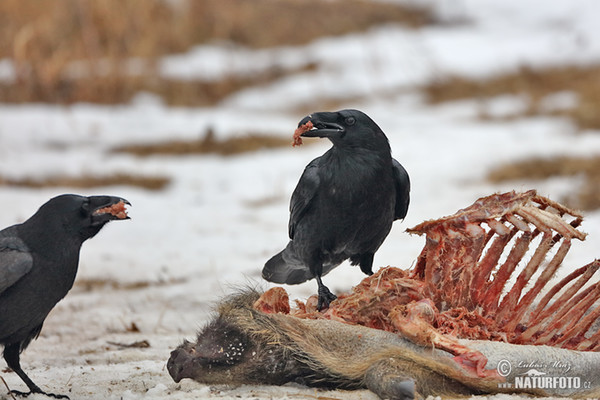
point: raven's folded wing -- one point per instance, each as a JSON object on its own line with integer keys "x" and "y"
{"x": 15, "y": 261}
{"x": 303, "y": 195}
{"x": 402, "y": 184}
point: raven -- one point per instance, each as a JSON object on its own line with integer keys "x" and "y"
{"x": 38, "y": 264}
{"x": 344, "y": 204}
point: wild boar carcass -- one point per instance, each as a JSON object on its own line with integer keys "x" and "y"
{"x": 468, "y": 319}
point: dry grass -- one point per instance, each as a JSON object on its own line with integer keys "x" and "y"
{"x": 116, "y": 87}
{"x": 203, "y": 93}
{"x": 207, "y": 145}
{"x": 586, "y": 197}
{"x": 534, "y": 84}
{"x": 267, "y": 23}
{"x": 97, "y": 284}
{"x": 145, "y": 182}
{"x": 104, "y": 35}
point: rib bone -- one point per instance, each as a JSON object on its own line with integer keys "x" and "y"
{"x": 458, "y": 274}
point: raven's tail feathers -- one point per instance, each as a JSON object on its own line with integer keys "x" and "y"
{"x": 285, "y": 267}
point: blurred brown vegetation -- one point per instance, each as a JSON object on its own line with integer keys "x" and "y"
{"x": 208, "y": 145}
{"x": 586, "y": 197}
{"x": 81, "y": 50}
{"x": 106, "y": 51}
{"x": 535, "y": 85}
{"x": 89, "y": 181}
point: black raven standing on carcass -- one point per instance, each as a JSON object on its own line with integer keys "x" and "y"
{"x": 344, "y": 204}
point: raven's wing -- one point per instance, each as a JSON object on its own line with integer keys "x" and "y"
{"x": 303, "y": 195}
{"x": 285, "y": 266}
{"x": 402, "y": 184}
{"x": 15, "y": 261}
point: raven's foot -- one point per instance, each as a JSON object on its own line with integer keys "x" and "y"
{"x": 325, "y": 297}
{"x": 25, "y": 394}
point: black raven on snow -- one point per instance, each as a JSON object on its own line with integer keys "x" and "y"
{"x": 344, "y": 204}
{"x": 38, "y": 264}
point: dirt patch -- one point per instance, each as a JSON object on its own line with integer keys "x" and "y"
{"x": 585, "y": 197}
{"x": 89, "y": 181}
{"x": 535, "y": 85}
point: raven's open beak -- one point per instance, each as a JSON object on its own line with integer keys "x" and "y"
{"x": 323, "y": 125}
{"x": 108, "y": 208}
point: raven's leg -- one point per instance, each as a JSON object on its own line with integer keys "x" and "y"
{"x": 11, "y": 355}
{"x": 325, "y": 295}
{"x": 315, "y": 265}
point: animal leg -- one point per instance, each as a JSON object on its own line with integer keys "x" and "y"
{"x": 388, "y": 380}
{"x": 11, "y": 355}
{"x": 414, "y": 322}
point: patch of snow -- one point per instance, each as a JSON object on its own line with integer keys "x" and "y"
{"x": 559, "y": 101}
{"x": 213, "y": 227}
{"x": 7, "y": 71}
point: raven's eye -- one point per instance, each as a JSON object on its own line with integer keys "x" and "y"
{"x": 350, "y": 120}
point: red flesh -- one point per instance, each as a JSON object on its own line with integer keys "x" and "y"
{"x": 274, "y": 300}
{"x": 299, "y": 131}
{"x": 118, "y": 210}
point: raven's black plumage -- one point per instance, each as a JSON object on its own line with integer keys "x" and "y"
{"x": 344, "y": 204}
{"x": 38, "y": 264}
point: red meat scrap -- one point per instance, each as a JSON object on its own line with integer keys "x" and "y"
{"x": 118, "y": 210}
{"x": 273, "y": 301}
{"x": 299, "y": 131}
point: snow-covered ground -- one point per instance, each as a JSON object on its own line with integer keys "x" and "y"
{"x": 218, "y": 221}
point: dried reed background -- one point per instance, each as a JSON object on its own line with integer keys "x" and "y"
{"x": 106, "y": 51}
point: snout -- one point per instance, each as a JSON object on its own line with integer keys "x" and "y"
{"x": 179, "y": 364}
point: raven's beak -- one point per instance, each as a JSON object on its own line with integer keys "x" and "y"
{"x": 323, "y": 125}
{"x": 107, "y": 208}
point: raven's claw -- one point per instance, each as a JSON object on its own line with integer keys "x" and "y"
{"x": 325, "y": 297}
